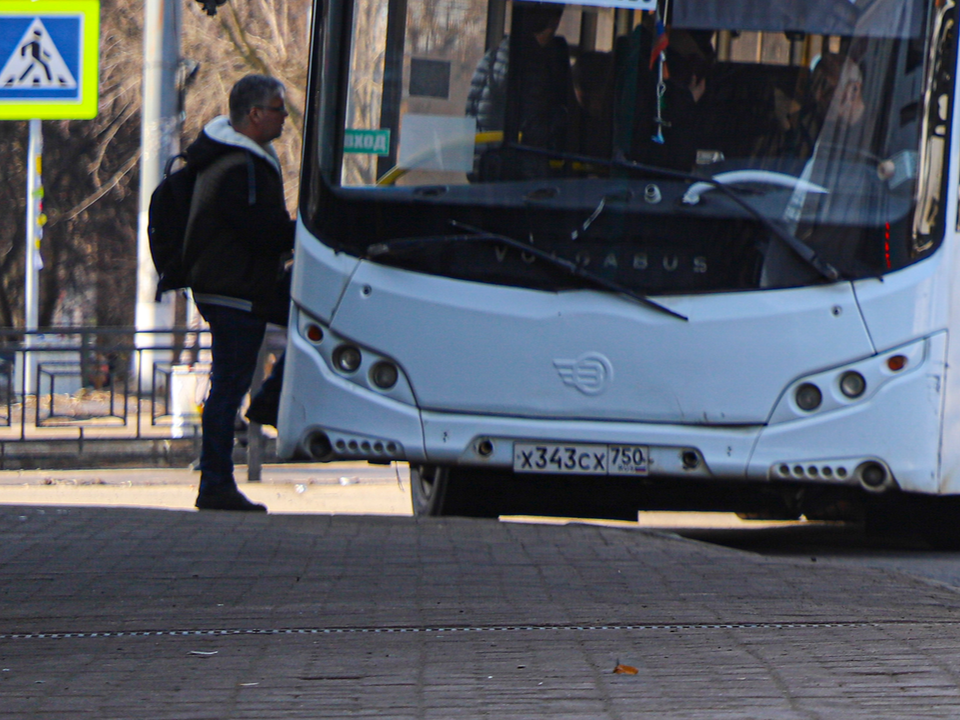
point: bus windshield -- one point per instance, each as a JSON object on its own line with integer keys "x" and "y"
{"x": 668, "y": 147}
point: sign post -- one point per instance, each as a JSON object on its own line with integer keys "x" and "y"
{"x": 33, "y": 262}
{"x": 160, "y": 124}
{"x": 49, "y": 53}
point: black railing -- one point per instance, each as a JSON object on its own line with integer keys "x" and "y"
{"x": 111, "y": 384}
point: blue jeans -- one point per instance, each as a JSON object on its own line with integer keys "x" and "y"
{"x": 236, "y": 339}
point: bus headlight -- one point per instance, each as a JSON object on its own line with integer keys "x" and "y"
{"x": 351, "y": 361}
{"x": 808, "y": 397}
{"x": 852, "y": 384}
{"x": 384, "y": 375}
{"x": 347, "y": 358}
{"x": 849, "y": 385}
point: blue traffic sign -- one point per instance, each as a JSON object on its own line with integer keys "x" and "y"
{"x": 48, "y": 59}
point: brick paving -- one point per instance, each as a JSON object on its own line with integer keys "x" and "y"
{"x": 120, "y": 613}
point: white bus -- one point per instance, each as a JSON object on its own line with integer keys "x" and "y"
{"x": 700, "y": 255}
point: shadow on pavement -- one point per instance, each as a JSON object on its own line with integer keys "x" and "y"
{"x": 805, "y": 538}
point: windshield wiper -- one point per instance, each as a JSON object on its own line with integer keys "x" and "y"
{"x": 480, "y": 235}
{"x": 776, "y": 229}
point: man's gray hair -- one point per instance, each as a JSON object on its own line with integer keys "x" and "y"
{"x": 249, "y": 92}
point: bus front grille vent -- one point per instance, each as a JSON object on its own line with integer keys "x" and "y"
{"x": 334, "y": 445}
{"x": 870, "y": 473}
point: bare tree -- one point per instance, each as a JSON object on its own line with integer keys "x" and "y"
{"x": 13, "y": 145}
{"x": 91, "y": 167}
{"x": 90, "y": 181}
{"x": 252, "y": 36}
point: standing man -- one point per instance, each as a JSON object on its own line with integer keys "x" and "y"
{"x": 237, "y": 237}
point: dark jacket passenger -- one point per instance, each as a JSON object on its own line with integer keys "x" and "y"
{"x": 238, "y": 212}
{"x": 678, "y": 139}
{"x": 544, "y": 100}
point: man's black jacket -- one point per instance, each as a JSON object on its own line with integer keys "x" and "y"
{"x": 239, "y": 227}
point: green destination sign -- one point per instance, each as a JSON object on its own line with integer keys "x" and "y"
{"x": 368, "y": 142}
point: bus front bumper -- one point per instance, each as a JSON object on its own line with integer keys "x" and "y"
{"x": 888, "y": 441}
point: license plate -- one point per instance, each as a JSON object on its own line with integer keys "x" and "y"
{"x": 576, "y": 459}
{"x": 628, "y": 459}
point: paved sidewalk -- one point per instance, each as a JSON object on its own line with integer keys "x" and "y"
{"x": 121, "y": 613}
{"x": 345, "y": 487}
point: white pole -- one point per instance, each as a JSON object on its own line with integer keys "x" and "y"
{"x": 160, "y": 139}
{"x": 33, "y": 263}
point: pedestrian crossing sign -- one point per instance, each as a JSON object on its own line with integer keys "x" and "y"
{"x": 49, "y": 59}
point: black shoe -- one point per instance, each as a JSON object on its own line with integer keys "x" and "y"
{"x": 230, "y": 499}
{"x": 264, "y": 408}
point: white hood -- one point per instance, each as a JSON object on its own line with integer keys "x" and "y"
{"x": 222, "y": 131}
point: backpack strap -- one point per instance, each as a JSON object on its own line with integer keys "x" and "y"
{"x": 168, "y": 167}
{"x": 251, "y": 180}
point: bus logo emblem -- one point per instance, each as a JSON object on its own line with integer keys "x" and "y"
{"x": 590, "y": 373}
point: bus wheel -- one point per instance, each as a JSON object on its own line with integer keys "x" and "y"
{"x": 936, "y": 520}
{"x": 437, "y": 491}
{"x": 428, "y": 486}
{"x": 941, "y": 523}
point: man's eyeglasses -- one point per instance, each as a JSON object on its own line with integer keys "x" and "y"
{"x": 275, "y": 108}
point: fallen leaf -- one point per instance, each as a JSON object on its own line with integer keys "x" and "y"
{"x": 625, "y": 670}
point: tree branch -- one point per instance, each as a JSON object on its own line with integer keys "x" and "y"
{"x": 104, "y": 189}
{"x": 246, "y": 50}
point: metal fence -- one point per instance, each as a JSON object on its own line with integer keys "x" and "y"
{"x": 106, "y": 396}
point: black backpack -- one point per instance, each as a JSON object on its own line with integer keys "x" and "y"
{"x": 169, "y": 216}
{"x": 167, "y": 224}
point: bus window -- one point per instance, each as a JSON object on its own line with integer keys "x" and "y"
{"x": 406, "y": 104}
{"x": 364, "y": 99}
{"x": 828, "y": 107}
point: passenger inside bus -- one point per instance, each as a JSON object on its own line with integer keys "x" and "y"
{"x": 800, "y": 116}
{"x": 593, "y": 83}
{"x": 612, "y": 105}
{"x": 544, "y": 95}
{"x": 662, "y": 125}
{"x": 844, "y": 165}
{"x": 842, "y": 158}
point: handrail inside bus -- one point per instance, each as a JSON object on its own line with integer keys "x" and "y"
{"x": 396, "y": 172}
